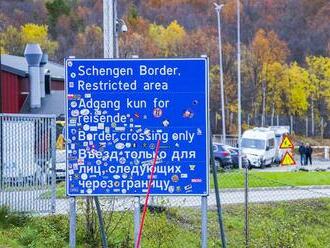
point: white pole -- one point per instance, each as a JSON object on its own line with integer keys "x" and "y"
{"x": 116, "y": 29}
{"x": 218, "y": 9}
{"x": 239, "y": 84}
{"x": 108, "y": 28}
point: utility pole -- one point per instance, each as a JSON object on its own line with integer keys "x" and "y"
{"x": 108, "y": 28}
{"x": 218, "y": 9}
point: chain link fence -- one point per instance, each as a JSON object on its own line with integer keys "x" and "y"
{"x": 274, "y": 217}
{"x": 27, "y": 155}
{"x": 288, "y": 210}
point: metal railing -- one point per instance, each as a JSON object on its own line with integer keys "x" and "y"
{"x": 27, "y": 156}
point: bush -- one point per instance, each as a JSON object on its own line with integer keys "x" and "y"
{"x": 12, "y": 219}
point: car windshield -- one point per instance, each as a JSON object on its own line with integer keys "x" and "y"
{"x": 253, "y": 143}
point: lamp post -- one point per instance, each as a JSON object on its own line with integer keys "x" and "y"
{"x": 239, "y": 121}
{"x": 218, "y": 9}
{"x": 108, "y": 28}
{"x": 239, "y": 124}
{"x": 121, "y": 27}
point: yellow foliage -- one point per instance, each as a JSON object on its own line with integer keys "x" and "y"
{"x": 167, "y": 39}
{"x": 319, "y": 78}
{"x": 11, "y": 41}
{"x": 34, "y": 33}
{"x": 268, "y": 48}
{"x": 297, "y": 90}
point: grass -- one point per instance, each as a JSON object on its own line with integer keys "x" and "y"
{"x": 235, "y": 179}
{"x": 303, "y": 224}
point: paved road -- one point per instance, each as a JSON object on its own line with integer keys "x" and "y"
{"x": 27, "y": 200}
{"x": 227, "y": 197}
{"x": 317, "y": 164}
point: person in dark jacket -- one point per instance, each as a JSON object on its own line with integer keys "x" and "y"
{"x": 308, "y": 153}
{"x": 302, "y": 150}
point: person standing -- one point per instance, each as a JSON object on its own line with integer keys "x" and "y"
{"x": 302, "y": 151}
{"x": 308, "y": 153}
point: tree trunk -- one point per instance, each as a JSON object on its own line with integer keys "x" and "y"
{"x": 273, "y": 114}
{"x": 291, "y": 124}
{"x": 263, "y": 104}
{"x": 322, "y": 128}
{"x": 306, "y": 126}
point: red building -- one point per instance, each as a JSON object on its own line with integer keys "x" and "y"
{"x": 15, "y": 87}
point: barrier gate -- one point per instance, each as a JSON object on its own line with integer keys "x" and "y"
{"x": 28, "y": 162}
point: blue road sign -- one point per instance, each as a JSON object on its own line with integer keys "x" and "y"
{"x": 116, "y": 112}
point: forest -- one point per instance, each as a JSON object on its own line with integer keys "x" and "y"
{"x": 285, "y": 48}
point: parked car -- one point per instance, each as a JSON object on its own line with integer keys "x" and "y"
{"x": 222, "y": 156}
{"x": 60, "y": 165}
{"x": 234, "y": 151}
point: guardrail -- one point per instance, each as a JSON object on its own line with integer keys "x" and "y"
{"x": 326, "y": 151}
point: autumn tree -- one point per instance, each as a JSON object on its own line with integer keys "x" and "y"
{"x": 169, "y": 40}
{"x": 89, "y": 44}
{"x": 14, "y": 40}
{"x": 266, "y": 49}
{"x": 33, "y": 33}
{"x": 319, "y": 80}
{"x": 277, "y": 84}
{"x": 297, "y": 90}
{"x": 11, "y": 41}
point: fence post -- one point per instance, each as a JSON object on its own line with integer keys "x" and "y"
{"x": 204, "y": 221}
{"x": 326, "y": 152}
{"x": 136, "y": 218}
{"x": 246, "y": 204}
{"x": 53, "y": 170}
{"x": 73, "y": 217}
{"x": 1, "y": 154}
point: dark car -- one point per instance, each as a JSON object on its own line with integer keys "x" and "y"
{"x": 234, "y": 151}
{"x": 222, "y": 156}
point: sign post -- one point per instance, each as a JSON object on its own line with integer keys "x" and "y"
{"x": 73, "y": 217}
{"x": 288, "y": 156}
{"x": 116, "y": 112}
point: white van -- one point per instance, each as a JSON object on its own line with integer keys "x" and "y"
{"x": 19, "y": 164}
{"x": 258, "y": 145}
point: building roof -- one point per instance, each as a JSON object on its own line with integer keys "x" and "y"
{"x": 18, "y": 65}
{"x": 51, "y": 104}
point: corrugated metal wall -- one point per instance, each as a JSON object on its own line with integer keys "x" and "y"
{"x": 10, "y": 93}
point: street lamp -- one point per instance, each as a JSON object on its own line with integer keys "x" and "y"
{"x": 218, "y": 9}
{"x": 239, "y": 120}
{"x": 121, "y": 27}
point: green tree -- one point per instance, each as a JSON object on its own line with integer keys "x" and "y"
{"x": 55, "y": 9}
